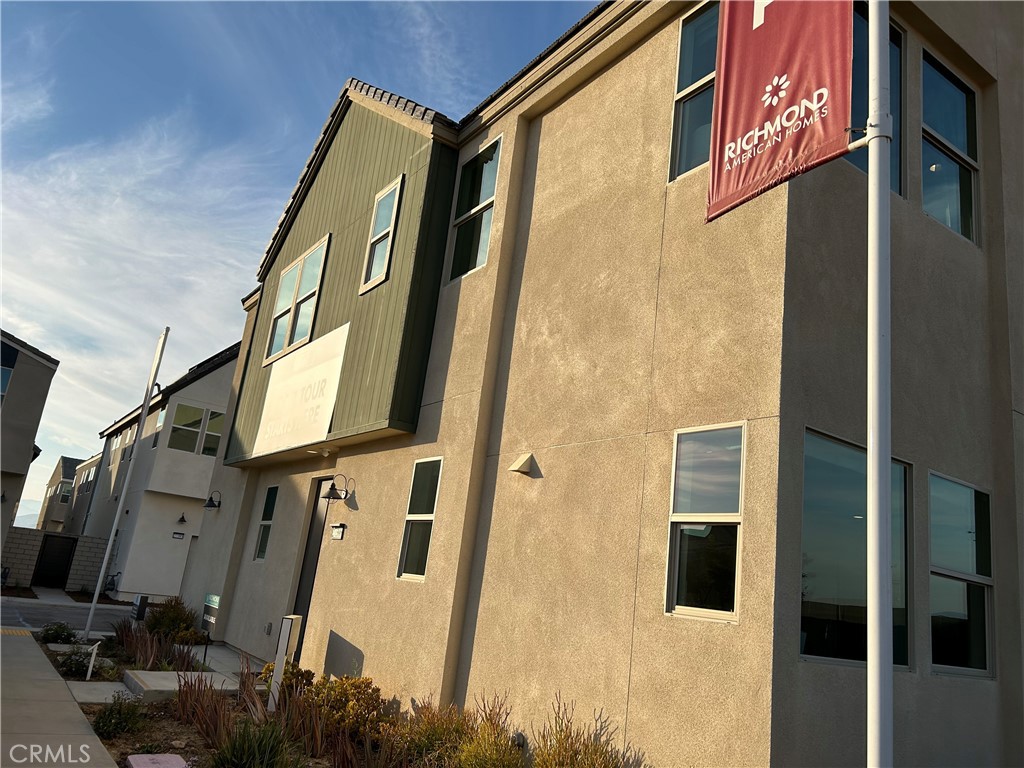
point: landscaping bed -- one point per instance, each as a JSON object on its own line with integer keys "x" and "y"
{"x": 86, "y": 597}
{"x": 318, "y": 722}
{"x": 25, "y": 592}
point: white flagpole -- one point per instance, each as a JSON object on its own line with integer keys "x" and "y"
{"x": 879, "y": 512}
{"x": 157, "y": 357}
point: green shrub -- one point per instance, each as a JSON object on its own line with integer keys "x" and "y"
{"x": 74, "y": 663}
{"x": 122, "y": 715}
{"x": 170, "y": 617}
{"x": 57, "y": 632}
{"x": 562, "y": 743}
{"x": 251, "y": 746}
{"x": 190, "y": 636}
{"x": 353, "y": 704}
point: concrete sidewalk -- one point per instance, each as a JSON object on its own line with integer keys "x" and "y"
{"x": 40, "y": 722}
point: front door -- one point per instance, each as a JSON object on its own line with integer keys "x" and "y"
{"x": 310, "y": 558}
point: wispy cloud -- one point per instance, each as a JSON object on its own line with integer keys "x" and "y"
{"x": 25, "y": 92}
{"x": 104, "y": 244}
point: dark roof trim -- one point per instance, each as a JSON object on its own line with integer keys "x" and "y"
{"x": 195, "y": 373}
{"x": 592, "y": 14}
{"x": 28, "y": 347}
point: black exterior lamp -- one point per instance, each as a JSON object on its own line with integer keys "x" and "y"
{"x": 334, "y": 493}
{"x": 213, "y": 502}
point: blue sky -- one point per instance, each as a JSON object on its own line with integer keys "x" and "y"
{"x": 148, "y": 149}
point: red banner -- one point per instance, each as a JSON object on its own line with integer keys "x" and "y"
{"x": 782, "y": 94}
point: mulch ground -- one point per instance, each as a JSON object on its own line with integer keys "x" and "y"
{"x": 86, "y": 597}
{"x": 160, "y": 734}
{"x": 19, "y": 592}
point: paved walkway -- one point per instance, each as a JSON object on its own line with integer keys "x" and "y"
{"x": 40, "y": 722}
{"x": 53, "y": 596}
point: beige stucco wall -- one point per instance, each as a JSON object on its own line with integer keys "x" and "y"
{"x": 953, "y": 340}
{"x": 617, "y": 334}
{"x": 607, "y": 317}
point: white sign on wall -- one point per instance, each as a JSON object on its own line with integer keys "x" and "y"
{"x": 301, "y": 394}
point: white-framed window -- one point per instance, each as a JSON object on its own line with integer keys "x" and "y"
{"x": 65, "y": 492}
{"x": 474, "y": 206}
{"x": 705, "y": 521}
{"x": 859, "y": 94}
{"x": 960, "y": 583}
{"x": 266, "y": 520}
{"x": 115, "y": 448}
{"x": 159, "y": 425}
{"x": 381, "y": 241}
{"x": 949, "y": 149}
{"x": 833, "y": 577}
{"x": 295, "y": 305}
{"x": 214, "y": 429}
{"x": 186, "y": 426}
{"x": 419, "y": 518}
{"x": 695, "y": 90}
{"x": 195, "y": 430}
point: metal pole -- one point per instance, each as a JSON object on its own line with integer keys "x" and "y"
{"x": 879, "y": 512}
{"x": 161, "y": 342}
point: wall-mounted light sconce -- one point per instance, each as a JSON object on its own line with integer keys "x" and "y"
{"x": 212, "y": 503}
{"x": 182, "y": 520}
{"x": 338, "y": 531}
{"x": 334, "y": 493}
{"x": 325, "y": 452}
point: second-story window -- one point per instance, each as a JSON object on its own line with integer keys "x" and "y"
{"x": 859, "y": 98}
{"x": 159, "y": 426}
{"x": 695, "y": 91}
{"x": 295, "y": 306}
{"x": 378, "y": 252}
{"x": 474, "y": 205}
{"x": 949, "y": 151}
{"x": 195, "y": 430}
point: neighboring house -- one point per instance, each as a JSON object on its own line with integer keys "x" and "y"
{"x": 591, "y": 445}
{"x": 84, "y": 482}
{"x": 58, "y": 500}
{"x": 24, "y": 385}
{"x": 163, "y": 510}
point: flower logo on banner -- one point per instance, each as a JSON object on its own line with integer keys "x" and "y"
{"x": 775, "y": 90}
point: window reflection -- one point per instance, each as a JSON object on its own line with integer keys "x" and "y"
{"x": 708, "y": 471}
{"x": 834, "y": 565}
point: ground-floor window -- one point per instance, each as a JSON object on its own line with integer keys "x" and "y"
{"x": 961, "y": 573}
{"x": 419, "y": 518}
{"x": 833, "y": 594}
{"x": 705, "y": 520}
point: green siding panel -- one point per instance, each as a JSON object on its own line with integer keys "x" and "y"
{"x": 391, "y": 325}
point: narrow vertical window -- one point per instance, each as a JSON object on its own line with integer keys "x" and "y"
{"x": 8, "y": 359}
{"x": 474, "y": 205}
{"x": 859, "y": 98}
{"x": 704, "y": 521}
{"x": 266, "y": 520}
{"x": 961, "y": 573}
{"x": 695, "y": 91}
{"x": 833, "y": 586}
{"x": 419, "y": 519}
{"x": 382, "y": 228}
{"x": 159, "y": 426}
{"x": 214, "y": 429}
{"x": 297, "y": 293}
{"x": 949, "y": 152}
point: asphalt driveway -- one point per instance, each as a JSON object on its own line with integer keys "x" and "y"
{"x": 33, "y": 614}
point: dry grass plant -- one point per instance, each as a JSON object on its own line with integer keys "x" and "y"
{"x": 563, "y": 743}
